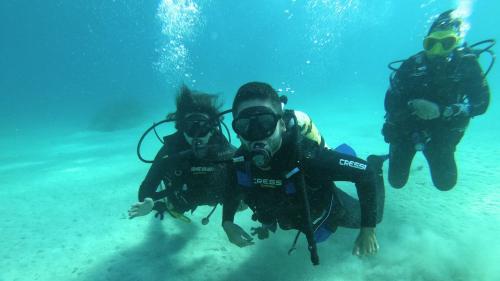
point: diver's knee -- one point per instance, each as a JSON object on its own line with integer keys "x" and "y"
{"x": 445, "y": 185}
{"x": 397, "y": 182}
{"x": 445, "y": 181}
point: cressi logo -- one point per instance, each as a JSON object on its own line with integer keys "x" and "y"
{"x": 268, "y": 182}
{"x": 353, "y": 164}
{"x": 202, "y": 169}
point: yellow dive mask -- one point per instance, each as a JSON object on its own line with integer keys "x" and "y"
{"x": 441, "y": 43}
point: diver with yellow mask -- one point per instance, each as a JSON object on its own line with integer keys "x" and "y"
{"x": 431, "y": 99}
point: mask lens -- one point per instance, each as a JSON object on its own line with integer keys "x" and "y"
{"x": 267, "y": 122}
{"x": 197, "y": 125}
{"x": 241, "y": 125}
{"x": 255, "y": 127}
{"x": 429, "y": 43}
{"x": 448, "y": 42}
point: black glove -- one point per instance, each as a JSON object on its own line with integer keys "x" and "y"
{"x": 160, "y": 208}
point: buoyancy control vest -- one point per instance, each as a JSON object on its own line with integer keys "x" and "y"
{"x": 191, "y": 182}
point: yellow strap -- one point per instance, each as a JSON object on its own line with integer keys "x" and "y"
{"x": 179, "y": 216}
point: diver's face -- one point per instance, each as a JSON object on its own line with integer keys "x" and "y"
{"x": 196, "y": 126}
{"x": 260, "y": 129}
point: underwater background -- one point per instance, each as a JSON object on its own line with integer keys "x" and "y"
{"x": 81, "y": 80}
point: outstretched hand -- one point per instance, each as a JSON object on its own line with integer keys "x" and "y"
{"x": 261, "y": 232}
{"x": 237, "y": 235}
{"x": 366, "y": 244}
{"x": 141, "y": 208}
{"x": 424, "y": 109}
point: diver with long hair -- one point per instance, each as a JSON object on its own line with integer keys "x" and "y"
{"x": 189, "y": 170}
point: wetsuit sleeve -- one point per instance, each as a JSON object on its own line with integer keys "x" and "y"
{"x": 397, "y": 96}
{"x": 154, "y": 177}
{"x": 232, "y": 197}
{"x": 475, "y": 88}
{"x": 329, "y": 165}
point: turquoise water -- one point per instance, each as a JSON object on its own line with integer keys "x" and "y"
{"x": 81, "y": 80}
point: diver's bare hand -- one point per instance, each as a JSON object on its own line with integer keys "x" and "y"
{"x": 236, "y": 234}
{"x": 366, "y": 244}
{"x": 141, "y": 208}
{"x": 424, "y": 109}
{"x": 261, "y": 232}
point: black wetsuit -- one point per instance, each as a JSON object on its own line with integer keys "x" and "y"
{"x": 275, "y": 199}
{"x": 455, "y": 83}
{"x": 189, "y": 181}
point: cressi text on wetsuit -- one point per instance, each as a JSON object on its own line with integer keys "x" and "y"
{"x": 274, "y": 199}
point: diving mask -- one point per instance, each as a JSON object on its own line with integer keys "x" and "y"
{"x": 196, "y": 125}
{"x": 256, "y": 123}
{"x": 441, "y": 43}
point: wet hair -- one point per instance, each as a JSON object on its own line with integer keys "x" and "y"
{"x": 257, "y": 91}
{"x": 189, "y": 101}
{"x": 446, "y": 21}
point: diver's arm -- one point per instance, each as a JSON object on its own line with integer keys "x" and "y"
{"x": 147, "y": 191}
{"x": 333, "y": 166}
{"x": 475, "y": 88}
{"x": 396, "y": 97}
{"x": 153, "y": 178}
{"x": 234, "y": 232}
{"x": 231, "y": 200}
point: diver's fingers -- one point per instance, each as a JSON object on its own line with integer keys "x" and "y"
{"x": 240, "y": 242}
{"x": 245, "y": 243}
{"x": 355, "y": 251}
{"x": 136, "y": 206}
{"x": 134, "y": 210}
{"x": 375, "y": 246}
{"x": 371, "y": 249}
{"x": 254, "y": 230}
{"x": 246, "y": 236}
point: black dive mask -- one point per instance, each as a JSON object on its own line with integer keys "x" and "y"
{"x": 196, "y": 125}
{"x": 256, "y": 123}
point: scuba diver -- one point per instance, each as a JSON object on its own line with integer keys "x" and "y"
{"x": 431, "y": 99}
{"x": 189, "y": 170}
{"x": 285, "y": 175}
